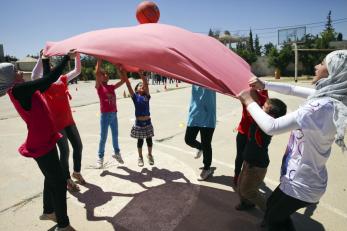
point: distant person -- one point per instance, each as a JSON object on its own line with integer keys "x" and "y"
{"x": 315, "y": 126}
{"x": 108, "y": 117}
{"x": 143, "y": 128}
{"x": 202, "y": 119}
{"x": 256, "y": 159}
{"x": 242, "y": 134}
{"x": 57, "y": 97}
{"x": 42, "y": 136}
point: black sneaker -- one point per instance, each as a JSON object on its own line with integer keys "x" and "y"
{"x": 243, "y": 206}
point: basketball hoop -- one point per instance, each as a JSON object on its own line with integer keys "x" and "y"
{"x": 293, "y": 36}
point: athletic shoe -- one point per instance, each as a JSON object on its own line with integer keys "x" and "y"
{"x": 205, "y": 174}
{"x": 118, "y": 157}
{"x": 48, "y": 217}
{"x": 99, "y": 162}
{"x": 140, "y": 162}
{"x": 78, "y": 177}
{"x": 198, "y": 154}
{"x": 150, "y": 159}
{"x": 244, "y": 206}
{"x": 72, "y": 186}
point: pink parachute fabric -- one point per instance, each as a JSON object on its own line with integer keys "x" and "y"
{"x": 166, "y": 50}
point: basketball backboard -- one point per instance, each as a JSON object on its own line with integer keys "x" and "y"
{"x": 291, "y": 35}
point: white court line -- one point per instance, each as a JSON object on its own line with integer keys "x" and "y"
{"x": 267, "y": 180}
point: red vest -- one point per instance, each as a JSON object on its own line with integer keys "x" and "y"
{"x": 57, "y": 99}
{"x": 107, "y": 97}
{"x": 42, "y": 135}
{"x": 247, "y": 119}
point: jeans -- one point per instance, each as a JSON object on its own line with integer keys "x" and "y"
{"x": 54, "y": 190}
{"x": 108, "y": 119}
{"x": 70, "y": 133}
{"x": 279, "y": 207}
{"x": 206, "y": 135}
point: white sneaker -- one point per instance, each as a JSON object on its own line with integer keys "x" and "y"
{"x": 150, "y": 159}
{"x": 99, "y": 162}
{"x": 140, "y": 162}
{"x": 198, "y": 154}
{"x": 205, "y": 174}
{"x": 48, "y": 217}
{"x": 118, "y": 157}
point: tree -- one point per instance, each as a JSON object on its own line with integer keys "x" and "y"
{"x": 250, "y": 46}
{"x": 327, "y": 35}
{"x": 257, "y": 47}
{"x": 281, "y": 59}
{"x": 9, "y": 58}
{"x": 267, "y": 48}
{"x": 339, "y": 37}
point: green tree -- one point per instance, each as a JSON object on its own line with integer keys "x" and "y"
{"x": 250, "y": 45}
{"x": 281, "y": 59}
{"x": 328, "y": 34}
{"x": 267, "y": 48}
{"x": 257, "y": 47}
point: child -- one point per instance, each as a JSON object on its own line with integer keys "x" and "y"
{"x": 108, "y": 117}
{"x": 242, "y": 131}
{"x": 57, "y": 97}
{"x": 42, "y": 136}
{"x": 202, "y": 118}
{"x": 256, "y": 159}
{"x": 143, "y": 128}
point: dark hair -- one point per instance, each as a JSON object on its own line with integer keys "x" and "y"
{"x": 277, "y": 107}
{"x": 137, "y": 86}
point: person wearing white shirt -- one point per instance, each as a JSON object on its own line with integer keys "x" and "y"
{"x": 315, "y": 126}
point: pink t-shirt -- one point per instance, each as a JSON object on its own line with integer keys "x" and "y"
{"x": 107, "y": 97}
{"x": 42, "y": 135}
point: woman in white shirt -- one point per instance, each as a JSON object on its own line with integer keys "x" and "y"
{"x": 319, "y": 122}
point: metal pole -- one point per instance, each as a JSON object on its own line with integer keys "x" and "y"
{"x": 296, "y": 62}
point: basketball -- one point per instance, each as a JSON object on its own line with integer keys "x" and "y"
{"x": 147, "y": 12}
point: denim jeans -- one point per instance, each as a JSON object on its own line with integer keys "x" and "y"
{"x": 108, "y": 119}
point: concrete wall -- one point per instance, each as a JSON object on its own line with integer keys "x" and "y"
{"x": 261, "y": 67}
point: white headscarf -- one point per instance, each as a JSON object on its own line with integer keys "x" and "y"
{"x": 7, "y": 77}
{"x": 335, "y": 87}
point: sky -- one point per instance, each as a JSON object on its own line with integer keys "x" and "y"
{"x": 26, "y": 26}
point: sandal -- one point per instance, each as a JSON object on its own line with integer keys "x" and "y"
{"x": 78, "y": 177}
{"x": 72, "y": 186}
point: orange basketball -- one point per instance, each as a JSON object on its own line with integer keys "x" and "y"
{"x": 147, "y": 12}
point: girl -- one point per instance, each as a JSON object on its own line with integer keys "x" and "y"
{"x": 108, "y": 108}
{"x": 40, "y": 143}
{"x": 57, "y": 97}
{"x": 315, "y": 126}
{"x": 142, "y": 128}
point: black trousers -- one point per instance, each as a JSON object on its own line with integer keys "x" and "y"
{"x": 279, "y": 207}
{"x": 70, "y": 133}
{"x": 54, "y": 190}
{"x": 241, "y": 141}
{"x": 206, "y": 135}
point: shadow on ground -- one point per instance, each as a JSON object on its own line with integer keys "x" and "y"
{"x": 178, "y": 205}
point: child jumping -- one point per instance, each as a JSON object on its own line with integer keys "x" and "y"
{"x": 108, "y": 117}
{"x": 142, "y": 128}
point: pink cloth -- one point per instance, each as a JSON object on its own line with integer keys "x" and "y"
{"x": 107, "y": 97}
{"x": 166, "y": 50}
